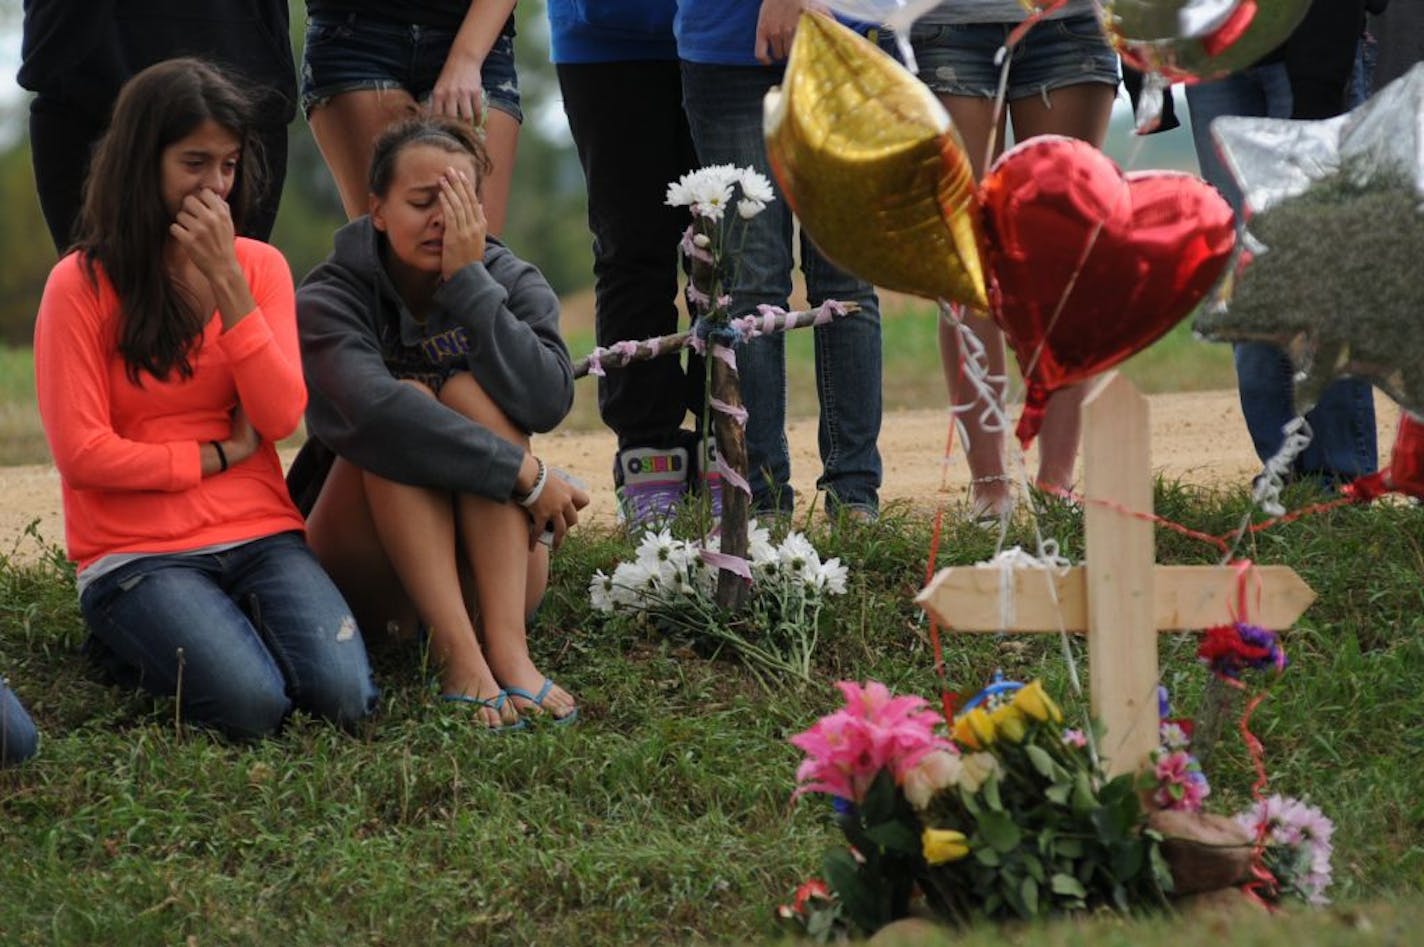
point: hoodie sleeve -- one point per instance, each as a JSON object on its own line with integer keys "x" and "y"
{"x": 511, "y": 317}
{"x": 364, "y": 414}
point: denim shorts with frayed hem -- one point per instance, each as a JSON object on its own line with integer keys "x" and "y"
{"x": 353, "y": 53}
{"x": 958, "y": 59}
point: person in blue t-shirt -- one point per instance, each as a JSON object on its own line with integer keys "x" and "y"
{"x": 732, "y": 52}
{"x": 622, "y": 90}
{"x": 18, "y": 740}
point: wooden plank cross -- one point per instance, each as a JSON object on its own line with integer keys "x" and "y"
{"x": 1119, "y": 598}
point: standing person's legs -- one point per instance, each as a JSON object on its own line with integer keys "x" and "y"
{"x": 848, "y": 383}
{"x": 1076, "y": 111}
{"x": 724, "y": 110}
{"x": 62, "y": 137}
{"x": 633, "y": 140}
{"x": 356, "y": 75}
{"x": 346, "y": 127}
{"x": 990, "y": 489}
{"x": 503, "y": 116}
{"x": 263, "y": 215}
{"x": 1343, "y": 422}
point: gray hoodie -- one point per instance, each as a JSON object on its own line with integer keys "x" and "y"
{"x": 498, "y": 318}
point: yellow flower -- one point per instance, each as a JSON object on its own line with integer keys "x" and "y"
{"x": 974, "y": 729}
{"x": 943, "y": 845}
{"x": 1009, "y": 723}
{"x": 1034, "y": 701}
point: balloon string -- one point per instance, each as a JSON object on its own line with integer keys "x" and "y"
{"x": 1222, "y": 542}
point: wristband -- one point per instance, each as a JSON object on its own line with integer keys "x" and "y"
{"x": 222, "y": 456}
{"x": 532, "y": 497}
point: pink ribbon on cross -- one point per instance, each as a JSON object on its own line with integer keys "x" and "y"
{"x": 721, "y": 560}
{"x": 735, "y": 412}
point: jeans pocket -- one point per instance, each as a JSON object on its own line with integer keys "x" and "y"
{"x": 1085, "y": 30}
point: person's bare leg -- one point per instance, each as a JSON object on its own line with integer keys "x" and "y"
{"x": 508, "y": 577}
{"x": 346, "y": 127}
{"x": 502, "y": 142}
{"x": 415, "y": 529}
{"x": 990, "y": 489}
{"x": 343, "y": 538}
{"x": 1078, "y": 111}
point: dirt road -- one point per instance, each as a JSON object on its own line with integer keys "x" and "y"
{"x": 1197, "y": 437}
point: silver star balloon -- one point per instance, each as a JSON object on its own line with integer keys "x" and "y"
{"x": 1333, "y": 263}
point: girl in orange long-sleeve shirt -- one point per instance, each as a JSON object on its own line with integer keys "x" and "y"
{"x": 167, "y": 367}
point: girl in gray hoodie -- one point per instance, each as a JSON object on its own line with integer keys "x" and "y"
{"x": 431, "y": 353}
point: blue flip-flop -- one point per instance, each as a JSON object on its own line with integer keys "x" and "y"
{"x": 495, "y": 703}
{"x": 538, "y": 701}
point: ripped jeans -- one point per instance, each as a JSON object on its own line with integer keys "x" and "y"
{"x": 240, "y": 636}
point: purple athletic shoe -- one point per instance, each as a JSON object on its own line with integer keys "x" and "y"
{"x": 651, "y": 483}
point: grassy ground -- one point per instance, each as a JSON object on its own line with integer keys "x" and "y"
{"x": 664, "y": 815}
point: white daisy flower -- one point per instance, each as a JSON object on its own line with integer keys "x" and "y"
{"x": 756, "y": 187}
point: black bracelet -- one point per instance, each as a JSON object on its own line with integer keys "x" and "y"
{"x": 222, "y": 456}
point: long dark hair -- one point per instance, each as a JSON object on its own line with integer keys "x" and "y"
{"x": 123, "y": 226}
{"x": 444, "y": 133}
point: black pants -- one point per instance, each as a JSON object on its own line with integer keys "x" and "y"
{"x": 62, "y": 137}
{"x": 633, "y": 140}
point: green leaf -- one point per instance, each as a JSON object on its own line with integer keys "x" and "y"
{"x": 991, "y": 794}
{"x": 1041, "y": 761}
{"x": 1069, "y": 847}
{"x": 895, "y": 836}
{"x": 1058, "y": 793}
{"x": 1127, "y": 861}
{"x": 1068, "y": 885}
{"x": 1034, "y": 867}
{"x": 999, "y": 830}
{"x": 860, "y": 903}
{"x": 985, "y": 855}
{"x": 879, "y": 803}
{"x": 1028, "y": 891}
{"x": 1083, "y": 798}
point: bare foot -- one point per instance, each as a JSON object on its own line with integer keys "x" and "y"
{"x": 481, "y": 691}
{"x": 991, "y": 497}
{"x": 529, "y": 679}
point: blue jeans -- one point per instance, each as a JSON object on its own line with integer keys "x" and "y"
{"x": 724, "y": 109}
{"x": 1343, "y": 445}
{"x": 18, "y": 739}
{"x": 249, "y": 633}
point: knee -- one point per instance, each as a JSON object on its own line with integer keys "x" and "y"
{"x": 18, "y": 738}
{"x": 343, "y": 699}
{"x": 246, "y": 713}
{"x": 465, "y": 395}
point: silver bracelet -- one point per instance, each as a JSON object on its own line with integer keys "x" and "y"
{"x": 532, "y": 497}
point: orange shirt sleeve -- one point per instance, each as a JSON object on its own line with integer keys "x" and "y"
{"x": 73, "y": 351}
{"x": 263, "y": 348}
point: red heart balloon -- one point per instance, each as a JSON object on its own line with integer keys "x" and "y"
{"x": 1088, "y": 265}
{"x": 1405, "y": 473}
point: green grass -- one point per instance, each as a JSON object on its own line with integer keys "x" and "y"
{"x": 664, "y": 815}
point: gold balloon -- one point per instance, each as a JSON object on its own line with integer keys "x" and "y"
{"x": 871, "y": 164}
{"x": 1190, "y": 40}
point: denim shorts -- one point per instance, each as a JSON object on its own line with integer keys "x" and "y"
{"x": 353, "y": 52}
{"x": 958, "y": 59}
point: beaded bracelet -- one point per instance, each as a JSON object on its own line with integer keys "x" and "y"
{"x": 532, "y": 497}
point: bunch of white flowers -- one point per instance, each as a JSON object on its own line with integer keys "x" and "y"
{"x": 709, "y": 191}
{"x": 666, "y": 569}
{"x": 671, "y": 583}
